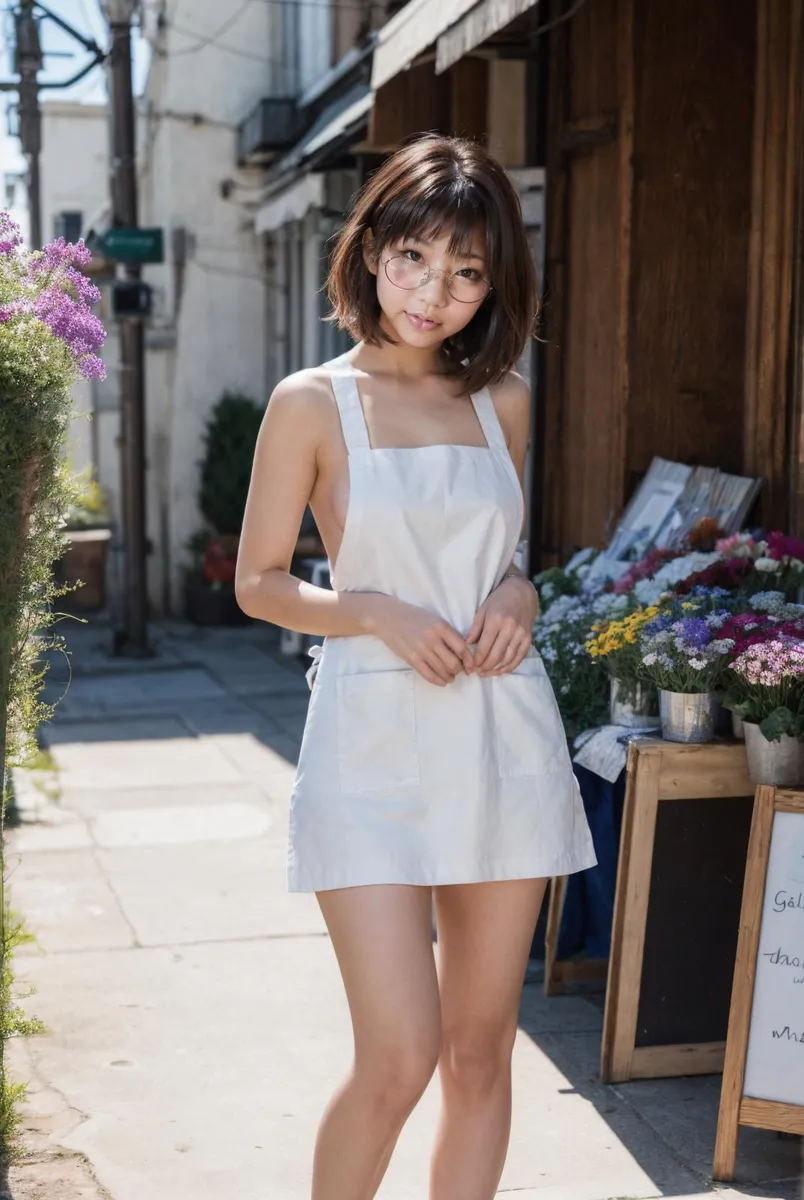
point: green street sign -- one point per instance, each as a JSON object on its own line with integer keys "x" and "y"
{"x": 133, "y": 245}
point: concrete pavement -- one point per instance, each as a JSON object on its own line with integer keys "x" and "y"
{"x": 196, "y": 1021}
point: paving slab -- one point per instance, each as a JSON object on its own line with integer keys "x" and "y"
{"x": 180, "y": 824}
{"x": 66, "y": 900}
{"x": 141, "y": 752}
{"x": 87, "y": 801}
{"x": 204, "y": 1072}
{"x": 209, "y": 892}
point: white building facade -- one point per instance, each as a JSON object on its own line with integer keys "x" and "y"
{"x": 208, "y": 331}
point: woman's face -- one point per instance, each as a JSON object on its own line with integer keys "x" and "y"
{"x": 426, "y": 315}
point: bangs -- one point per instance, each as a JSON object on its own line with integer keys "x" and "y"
{"x": 432, "y": 187}
{"x": 425, "y": 211}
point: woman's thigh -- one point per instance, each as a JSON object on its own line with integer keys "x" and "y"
{"x": 485, "y": 932}
{"x": 383, "y": 940}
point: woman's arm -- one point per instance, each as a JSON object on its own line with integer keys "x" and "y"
{"x": 282, "y": 481}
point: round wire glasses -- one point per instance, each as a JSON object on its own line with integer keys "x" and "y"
{"x": 468, "y": 289}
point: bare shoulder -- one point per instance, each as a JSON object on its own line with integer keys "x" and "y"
{"x": 512, "y": 401}
{"x": 302, "y": 409}
{"x": 306, "y": 393}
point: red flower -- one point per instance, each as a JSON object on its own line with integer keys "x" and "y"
{"x": 780, "y": 546}
{"x": 220, "y": 560}
{"x": 727, "y": 574}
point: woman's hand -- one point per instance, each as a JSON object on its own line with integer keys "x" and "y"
{"x": 426, "y": 642}
{"x": 503, "y": 627}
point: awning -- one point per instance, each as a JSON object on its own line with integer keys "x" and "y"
{"x": 479, "y": 24}
{"x": 410, "y": 32}
{"x": 290, "y": 204}
{"x": 293, "y": 187}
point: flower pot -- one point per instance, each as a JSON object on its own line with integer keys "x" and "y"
{"x": 207, "y": 605}
{"x": 688, "y": 716}
{"x": 642, "y": 712}
{"x": 84, "y": 562}
{"x": 778, "y": 763}
{"x": 737, "y": 727}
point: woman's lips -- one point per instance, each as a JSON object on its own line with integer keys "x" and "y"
{"x": 421, "y": 323}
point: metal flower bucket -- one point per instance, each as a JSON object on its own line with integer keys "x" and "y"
{"x": 642, "y": 712}
{"x": 777, "y": 763}
{"x": 737, "y": 727}
{"x": 688, "y": 716}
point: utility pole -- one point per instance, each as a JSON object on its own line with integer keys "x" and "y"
{"x": 27, "y": 64}
{"x": 132, "y": 640}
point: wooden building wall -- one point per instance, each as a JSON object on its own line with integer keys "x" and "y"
{"x": 672, "y": 176}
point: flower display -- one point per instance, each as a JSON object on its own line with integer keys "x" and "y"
{"x": 615, "y": 645}
{"x": 48, "y": 333}
{"x": 683, "y": 648}
{"x": 764, "y": 685}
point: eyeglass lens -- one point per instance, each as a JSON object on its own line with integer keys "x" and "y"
{"x": 404, "y": 273}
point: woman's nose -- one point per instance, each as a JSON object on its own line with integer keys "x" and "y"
{"x": 436, "y": 285}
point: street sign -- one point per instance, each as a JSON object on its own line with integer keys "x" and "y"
{"x": 133, "y": 245}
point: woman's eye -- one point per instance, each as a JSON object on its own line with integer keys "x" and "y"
{"x": 469, "y": 273}
{"x": 412, "y": 255}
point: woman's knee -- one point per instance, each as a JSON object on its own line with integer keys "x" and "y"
{"x": 476, "y": 1059}
{"x": 397, "y": 1075}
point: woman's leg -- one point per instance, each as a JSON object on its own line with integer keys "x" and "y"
{"x": 383, "y": 941}
{"x": 485, "y": 931}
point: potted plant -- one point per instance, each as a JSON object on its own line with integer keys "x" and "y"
{"x": 764, "y": 688}
{"x": 82, "y": 568}
{"x": 229, "y": 439}
{"x": 615, "y": 645}
{"x": 684, "y": 654}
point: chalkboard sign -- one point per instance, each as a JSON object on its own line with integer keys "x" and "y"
{"x": 763, "y": 1076}
{"x": 682, "y": 860}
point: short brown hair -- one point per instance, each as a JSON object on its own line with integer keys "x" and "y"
{"x": 429, "y": 184}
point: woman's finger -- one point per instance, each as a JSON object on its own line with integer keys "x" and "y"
{"x": 497, "y": 653}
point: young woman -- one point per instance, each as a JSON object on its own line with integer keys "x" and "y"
{"x": 434, "y": 763}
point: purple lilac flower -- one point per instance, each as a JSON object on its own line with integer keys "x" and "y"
{"x": 6, "y": 313}
{"x": 10, "y": 236}
{"x": 92, "y": 367}
{"x": 85, "y": 290}
{"x": 71, "y": 321}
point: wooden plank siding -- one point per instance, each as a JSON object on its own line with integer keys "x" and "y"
{"x": 650, "y": 152}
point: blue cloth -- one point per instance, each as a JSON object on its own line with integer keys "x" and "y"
{"x": 589, "y": 903}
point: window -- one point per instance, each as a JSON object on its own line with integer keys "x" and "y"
{"x": 68, "y": 224}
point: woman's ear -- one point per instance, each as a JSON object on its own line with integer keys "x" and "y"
{"x": 369, "y": 255}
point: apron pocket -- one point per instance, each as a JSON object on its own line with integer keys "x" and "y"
{"x": 528, "y": 729}
{"x": 377, "y": 748}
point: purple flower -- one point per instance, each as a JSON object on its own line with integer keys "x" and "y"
{"x": 86, "y": 291}
{"x": 92, "y": 367}
{"x": 71, "y": 321}
{"x": 10, "y": 236}
{"x": 6, "y": 313}
{"x": 64, "y": 254}
{"x": 695, "y": 631}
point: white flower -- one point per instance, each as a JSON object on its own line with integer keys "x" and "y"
{"x": 650, "y": 659}
{"x": 769, "y": 602}
{"x": 697, "y": 664}
{"x": 771, "y": 565}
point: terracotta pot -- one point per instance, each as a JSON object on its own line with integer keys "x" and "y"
{"x": 84, "y": 561}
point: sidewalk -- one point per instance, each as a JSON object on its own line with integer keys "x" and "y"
{"x": 195, "y": 1015}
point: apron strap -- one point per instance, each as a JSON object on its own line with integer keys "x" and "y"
{"x": 489, "y": 421}
{"x": 347, "y": 397}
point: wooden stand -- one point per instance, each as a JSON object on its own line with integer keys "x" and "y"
{"x": 557, "y": 971}
{"x": 735, "y": 1108}
{"x": 683, "y": 848}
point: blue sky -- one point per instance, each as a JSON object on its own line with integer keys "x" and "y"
{"x": 83, "y": 15}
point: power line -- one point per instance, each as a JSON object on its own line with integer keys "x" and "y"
{"x": 212, "y": 38}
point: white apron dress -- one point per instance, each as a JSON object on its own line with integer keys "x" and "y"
{"x": 399, "y": 780}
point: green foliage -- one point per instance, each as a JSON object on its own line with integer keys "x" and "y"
{"x": 13, "y": 1023}
{"x": 229, "y": 441}
{"x": 781, "y": 722}
{"x": 90, "y": 506}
